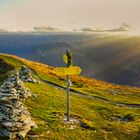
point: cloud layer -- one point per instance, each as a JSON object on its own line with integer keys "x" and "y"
{"x": 122, "y": 28}
{"x": 45, "y": 29}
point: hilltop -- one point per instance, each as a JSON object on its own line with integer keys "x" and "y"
{"x": 104, "y": 110}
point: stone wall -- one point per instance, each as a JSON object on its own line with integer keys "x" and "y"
{"x": 25, "y": 75}
{"x": 15, "y": 120}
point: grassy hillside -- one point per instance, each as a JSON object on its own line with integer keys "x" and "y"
{"x": 105, "y": 111}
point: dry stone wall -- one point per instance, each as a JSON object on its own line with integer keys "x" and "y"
{"x": 25, "y": 75}
{"x": 15, "y": 120}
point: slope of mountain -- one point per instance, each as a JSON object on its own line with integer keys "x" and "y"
{"x": 104, "y": 110}
{"x": 113, "y": 58}
{"x": 51, "y": 54}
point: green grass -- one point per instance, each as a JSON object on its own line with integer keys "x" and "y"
{"x": 124, "y": 94}
{"x": 48, "y": 107}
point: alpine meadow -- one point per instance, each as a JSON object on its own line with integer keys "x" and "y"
{"x": 69, "y": 70}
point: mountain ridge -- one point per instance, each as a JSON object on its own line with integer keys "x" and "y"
{"x": 112, "y": 58}
{"x": 112, "y": 112}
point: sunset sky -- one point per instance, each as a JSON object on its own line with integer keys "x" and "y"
{"x": 69, "y": 14}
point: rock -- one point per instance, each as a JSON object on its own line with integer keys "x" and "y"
{"x": 11, "y": 79}
{"x": 7, "y": 124}
{"x": 120, "y": 118}
{"x": 13, "y": 91}
{"x": 1, "y": 116}
{"x": 33, "y": 136}
{"x": 7, "y": 84}
{"x": 72, "y": 127}
{"x": 25, "y": 75}
{"x": 4, "y": 133}
{"x": 23, "y": 133}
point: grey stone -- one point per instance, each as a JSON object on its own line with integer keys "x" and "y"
{"x": 33, "y": 136}
{"x": 11, "y": 79}
{"x": 25, "y": 75}
{"x": 13, "y": 91}
{"x": 4, "y": 133}
{"x": 7, "y": 124}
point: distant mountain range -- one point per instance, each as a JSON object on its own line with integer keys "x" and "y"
{"x": 113, "y": 58}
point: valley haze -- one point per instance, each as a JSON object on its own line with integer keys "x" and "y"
{"x": 111, "y": 57}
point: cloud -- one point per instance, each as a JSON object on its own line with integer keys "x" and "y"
{"x": 3, "y": 30}
{"x": 123, "y": 27}
{"x": 87, "y": 29}
{"x": 45, "y": 29}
